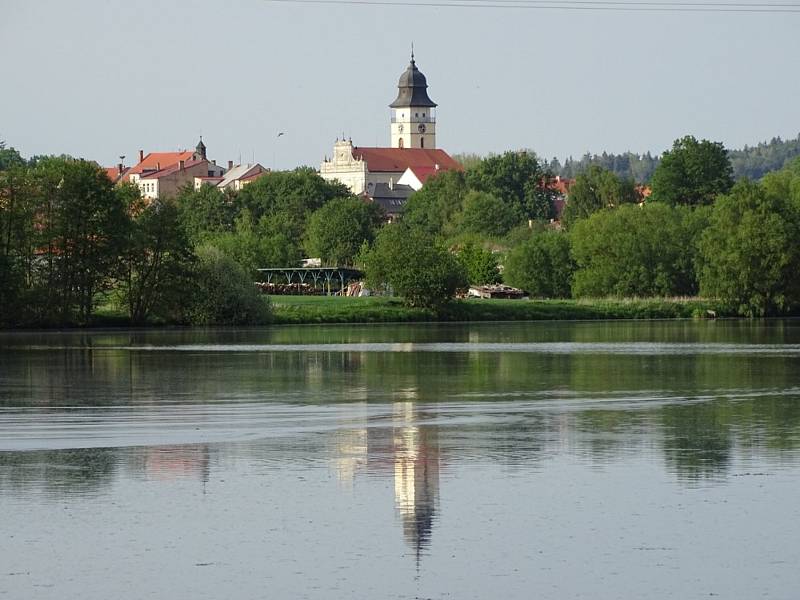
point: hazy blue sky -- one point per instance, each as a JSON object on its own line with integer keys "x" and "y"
{"x": 99, "y": 79}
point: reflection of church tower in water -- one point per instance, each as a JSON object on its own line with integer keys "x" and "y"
{"x": 416, "y": 475}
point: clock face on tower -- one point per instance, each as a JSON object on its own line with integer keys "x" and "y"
{"x": 421, "y": 128}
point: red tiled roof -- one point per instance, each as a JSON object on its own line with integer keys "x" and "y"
{"x": 164, "y": 160}
{"x": 253, "y": 176}
{"x": 561, "y": 185}
{"x": 172, "y": 169}
{"x": 114, "y": 174}
{"x": 398, "y": 160}
{"x": 425, "y": 173}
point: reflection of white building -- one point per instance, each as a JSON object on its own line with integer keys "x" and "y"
{"x": 416, "y": 475}
{"x": 350, "y": 443}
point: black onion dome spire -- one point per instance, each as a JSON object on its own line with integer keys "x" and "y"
{"x": 201, "y": 148}
{"x": 413, "y": 88}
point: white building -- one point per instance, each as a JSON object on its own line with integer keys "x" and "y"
{"x": 413, "y": 144}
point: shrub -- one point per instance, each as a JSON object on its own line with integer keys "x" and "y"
{"x": 414, "y": 266}
{"x": 542, "y": 265}
{"x": 224, "y": 294}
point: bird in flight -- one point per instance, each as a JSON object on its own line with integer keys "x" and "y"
{"x": 280, "y": 134}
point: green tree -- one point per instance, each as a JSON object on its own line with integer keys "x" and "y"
{"x": 207, "y": 210}
{"x": 594, "y": 190}
{"x": 750, "y": 253}
{"x": 224, "y": 293}
{"x": 337, "y": 230}
{"x": 9, "y": 157}
{"x": 519, "y": 179}
{"x": 288, "y": 198}
{"x": 80, "y": 224}
{"x": 692, "y": 173}
{"x": 255, "y": 245}
{"x": 411, "y": 263}
{"x": 479, "y": 264}
{"x": 157, "y": 260}
{"x": 633, "y": 251}
{"x": 542, "y": 265}
{"x": 487, "y": 215}
{"x": 434, "y": 207}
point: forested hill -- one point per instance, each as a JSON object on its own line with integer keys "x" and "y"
{"x": 752, "y": 161}
{"x": 756, "y": 161}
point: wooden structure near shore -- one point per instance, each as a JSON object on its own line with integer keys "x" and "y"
{"x": 308, "y": 280}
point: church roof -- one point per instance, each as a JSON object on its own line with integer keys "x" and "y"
{"x": 412, "y": 88}
{"x": 397, "y": 160}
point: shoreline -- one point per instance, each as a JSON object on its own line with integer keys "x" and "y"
{"x": 312, "y": 310}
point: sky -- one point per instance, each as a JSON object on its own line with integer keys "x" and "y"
{"x": 99, "y": 79}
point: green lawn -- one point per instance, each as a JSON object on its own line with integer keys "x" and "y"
{"x": 334, "y": 309}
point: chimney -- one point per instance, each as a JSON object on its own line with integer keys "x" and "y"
{"x": 230, "y": 165}
{"x": 214, "y": 162}
{"x": 141, "y": 155}
{"x": 391, "y": 183}
{"x": 181, "y": 165}
{"x": 119, "y": 169}
{"x": 158, "y": 166}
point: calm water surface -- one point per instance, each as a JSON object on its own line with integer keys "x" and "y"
{"x": 531, "y": 460}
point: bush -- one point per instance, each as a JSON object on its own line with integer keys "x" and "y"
{"x": 414, "y": 266}
{"x": 633, "y": 251}
{"x": 337, "y": 231}
{"x": 225, "y": 294}
{"x": 488, "y": 215}
{"x": 750, "y": 255}
{"x": 542, "y": 265}
{"x": 479, "y": 263}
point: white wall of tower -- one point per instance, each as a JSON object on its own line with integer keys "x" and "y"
{"x": 405, "y": 126}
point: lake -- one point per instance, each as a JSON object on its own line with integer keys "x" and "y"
{"x": 597, "y": 460}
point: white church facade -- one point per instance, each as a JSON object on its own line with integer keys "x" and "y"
{"x": 412, "y": 157}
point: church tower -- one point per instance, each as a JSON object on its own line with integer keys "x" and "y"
{"x": 413, "y": 117}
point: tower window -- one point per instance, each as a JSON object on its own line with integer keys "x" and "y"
{"x": 400, "y": 143}
{"x": 422, "y": 142}
{"x": 416, "y": 114}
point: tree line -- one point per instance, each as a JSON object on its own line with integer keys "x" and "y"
{"x": 752, "y": 162}
{"x": 699, "y": 233}
{"x": 72, "y": 244}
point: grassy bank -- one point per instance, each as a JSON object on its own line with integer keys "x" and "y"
{"x": 324, "y": 309}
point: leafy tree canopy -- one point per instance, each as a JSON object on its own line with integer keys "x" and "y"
{"x": 751, "y": 250}
{"x": 291, "y": 196}
{"x": 633, "y": 251}
{"x": 337, "y": 231}
{"x": 206, "y": 210}
{"x": 517, "y": 178}
{"x": 433, "y": 208}
{"x": 542, "y": 265}
{"x": 9, "y": 157}
{"x": 411, "y": 263}
{"x": 692, "y": 173}
{"x": 485, "y": 214}
{"x": 224, "y": 293}
{"x": 480, "y": 264}
{"x": 595, "y": 190}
